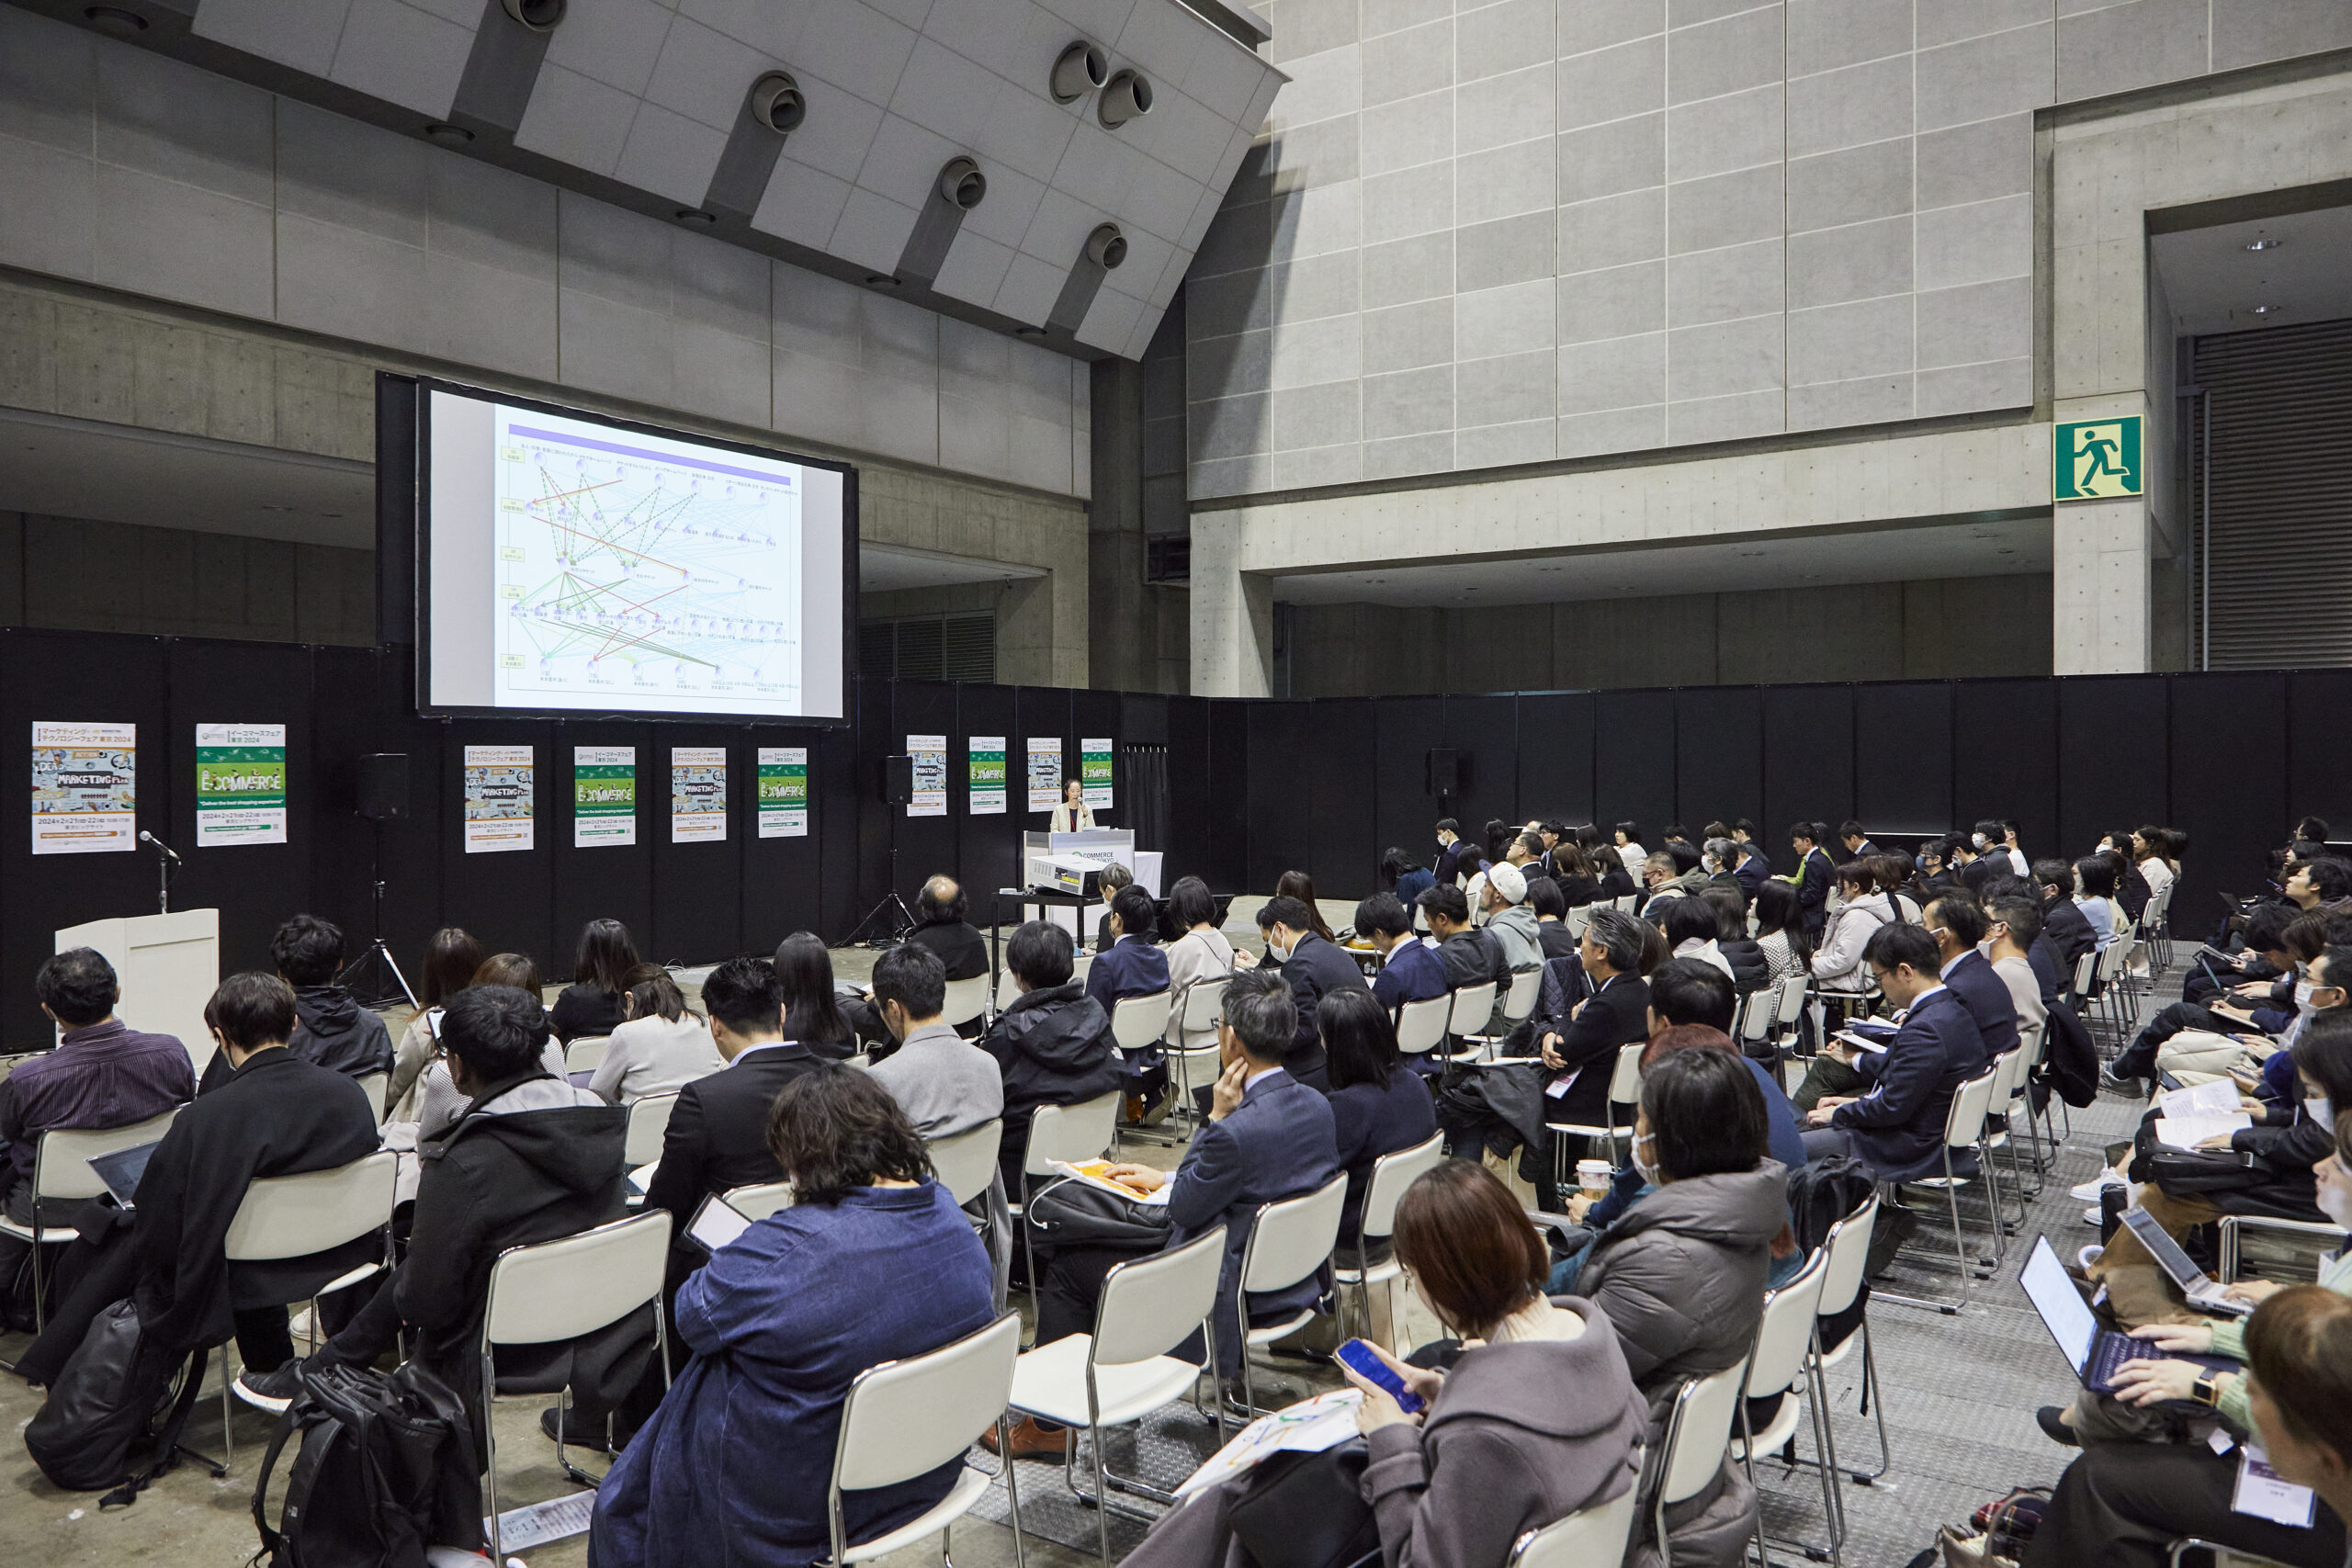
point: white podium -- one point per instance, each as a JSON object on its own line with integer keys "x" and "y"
{"x": 168, "y": 966}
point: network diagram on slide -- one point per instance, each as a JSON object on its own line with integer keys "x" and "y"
{"x": 623, "y": 569}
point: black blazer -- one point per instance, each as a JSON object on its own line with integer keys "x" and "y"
{"x": 2068, "y": 930}
{"x": 1315, "y": 967}
{"x": 1617, "y": 1014}
{"x": 1986, "y": 997}
{"x": 958, "y": 946}
{"x": 719, "y": 1136}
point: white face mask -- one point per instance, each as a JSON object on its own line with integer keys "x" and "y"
{"x": 2317, "y": 1108}
{"x": 2304, "y": 992}
{"x": 1642, "y": 1162}
{"x": 1976, "y": 839}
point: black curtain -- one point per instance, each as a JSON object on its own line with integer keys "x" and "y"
{"x": 1145, "y": 782}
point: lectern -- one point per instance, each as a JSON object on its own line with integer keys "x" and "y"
{"x": 168, "y": 966}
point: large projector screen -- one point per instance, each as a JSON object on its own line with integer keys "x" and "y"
{"x": 566, "y": 562}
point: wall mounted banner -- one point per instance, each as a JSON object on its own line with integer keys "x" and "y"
{"x": 988, "y": 775}
{"x": 604, "y": 796}
{"x": 1044, "y": 773}
{"x": 500, "y": 789}
{"x": 698, "y": 793}
{"x": 930, "y": 754}
{"x": 784, "y": 792}
{"x": 1095, "y": 771}
{"x": 2093, "y": 459}
{"x": 85, "y": 788}
{"x": 239, "y": 785}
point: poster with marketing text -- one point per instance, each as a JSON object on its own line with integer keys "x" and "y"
{"x": 988, "y": 775}
{"x": 239, "y": 785}
{"x": 500, "y": 790}
{"x": 1044, "y": 773}
{"x": 698, "y": 793}
{"x": 930, "y": 755}
{"x": 85, "y": 788}
{"x": 604, "y": 796}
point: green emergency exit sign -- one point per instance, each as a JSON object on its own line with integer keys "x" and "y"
{"x": 2096, "y": 459}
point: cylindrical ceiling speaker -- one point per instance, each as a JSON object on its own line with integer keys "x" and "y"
{"x": 962, "y": 183}
{"x": 776, "y": 102}
{"x": 1106, "y": 247}
{"x": 1127, "y": 97}
{"x": 539, "y": 16}
{"x": 1081, "y": 68}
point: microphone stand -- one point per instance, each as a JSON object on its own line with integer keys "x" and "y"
{"x": 165, "y": 862}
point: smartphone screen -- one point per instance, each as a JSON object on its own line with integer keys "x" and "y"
{"x": 1361, "y": 1358}
{"x": 717, "y": 1224}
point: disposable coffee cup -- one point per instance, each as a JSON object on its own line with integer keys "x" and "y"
{"x": 1594, "y": 1176}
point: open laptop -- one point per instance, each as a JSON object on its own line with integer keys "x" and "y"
{"x": 2094, "y": 1352}
{"x": 121, "y": 1169}
{"x": 2203, "y": 1293}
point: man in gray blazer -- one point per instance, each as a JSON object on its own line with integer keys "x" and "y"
{"x": 945, "y": 1084}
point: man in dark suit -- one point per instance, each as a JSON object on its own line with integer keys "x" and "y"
{"x": 941, "y": 927}
{"x": 1268, "y": 1138}
{"x": 1897, "y": 1126}
{"x": 1410, "y": 970}
{"x": 1752, "y": 867}
{"x": 1857, "y": 843}
{"x": 1814, "y": 877}
{"x": 1450, "y": 849}
{"x": 1312, "y": 967}
{"x": 1581, "y": 1050}
{"x": 1132, "y": 964}
{"x": 2065, "y": 924}
{"x": 1958, "y": 923}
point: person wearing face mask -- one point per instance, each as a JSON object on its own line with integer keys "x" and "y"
{"x": 1313, "y": 968}
{"x": 1896, "y": 1126}
{"x": 1959, "y": 924}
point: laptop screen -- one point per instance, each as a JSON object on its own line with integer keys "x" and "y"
{"x": 2063, "y": 1312}
{"x": 2163, "y": 1249}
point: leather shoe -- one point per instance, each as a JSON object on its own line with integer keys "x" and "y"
{"x": 2055, "y": 1429}
{"x": 1031, "y": 1441}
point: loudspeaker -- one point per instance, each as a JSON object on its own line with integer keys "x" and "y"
{"x": 383, "y": 787}
{"x": 1444, "y": 772}
{"x": 898, "y": 780}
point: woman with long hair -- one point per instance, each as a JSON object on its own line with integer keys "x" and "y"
{"x": 440, "y": 1102}
{"x": 812, "y": 1009}
{"x": 450, "y": 959}
{"x": 1780, "y": 929}
{"x": 595, "y": 1002}
{"x": 1378, "y": 1105}
{"x": 663, "y": 1045}
{"x": 1299, "y": 885}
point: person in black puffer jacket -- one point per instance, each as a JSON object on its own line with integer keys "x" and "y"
{"x": 1750, "y": 970}
{"x": 1053, "y": 1045}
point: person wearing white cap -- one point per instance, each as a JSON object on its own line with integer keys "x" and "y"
{"x": 1509, "y": 920}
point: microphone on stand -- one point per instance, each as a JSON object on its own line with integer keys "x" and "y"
{"x": 147, "y": 837}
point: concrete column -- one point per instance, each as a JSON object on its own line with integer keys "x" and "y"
{"x": 2101, "y": 555}
{"x": 1233, "y": 614}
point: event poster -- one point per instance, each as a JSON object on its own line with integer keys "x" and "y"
{"x": 604, "y": 796}
{"x": 698, "y": 793}
{"x": 1044, "y": 773}
{"x": 784, "y": 792}
{"x": 1094, "y": 772}
{"x": 239, "y": 785}
{"x": 500, "y": 790}
{"x": 988, "y": 775}
{"x": 930, "y": 755}
{"x": 85, "y": 788}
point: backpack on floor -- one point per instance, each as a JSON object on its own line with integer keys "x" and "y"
{"x": 385, "y": 1468}
{"x": 112, "y": 1418}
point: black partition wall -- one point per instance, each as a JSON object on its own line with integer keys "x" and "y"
{"x": 1255, "y": 788}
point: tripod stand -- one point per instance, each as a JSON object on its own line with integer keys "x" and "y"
{"x": 378, "y": 952}
{"x": 890, "y": 918}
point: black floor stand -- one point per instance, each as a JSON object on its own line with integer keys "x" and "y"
{"x": 362, "y": 970}
{"x": 889, "y": 920}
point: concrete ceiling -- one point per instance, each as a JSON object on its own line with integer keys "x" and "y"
{"x": 1994, "y": 547}
{"x": 2213, "y": 282}
{"x": 115, "y": 473}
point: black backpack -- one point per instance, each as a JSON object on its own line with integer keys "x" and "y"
{"x": 386, "y": 1469}
{"x": 113, "y": 1415}
{"x": 1823, "y": 1193}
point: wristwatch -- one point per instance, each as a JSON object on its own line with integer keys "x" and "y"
{"x": 2207, "y": 1389}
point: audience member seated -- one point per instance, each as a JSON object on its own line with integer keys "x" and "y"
{"x": 1688, "y": 995}
{"x": 1690, "y": 927}
{"x": 1052, "y": 1045}
{"x": 2248, "y": 972}
{"x": 871, "y": 1263}
{"x": 1450, "y": 846}
{"x": 2321, "y": 880}
{"x": 1957, "y": 922}
{"x": 450, "y": 960}
{"x": 1552, "y": 936}
{"x": 1534, "y": 1420}
{"x": 1750, "y": 970}
{"x": 1665, "y": 878}
{"x": 1717, "y": 856}
{"x": 1628, "y": 839}
{"x": 1779, "y": 933}
{"x": 533, "y": 1159}
{"x": 269, "y": 1113}
{"x": 1313, "y": 968}
{"x": 1200, "y": 956}
{"x": 1509, "y": 921}
{"x": 440, "y": 1102}
{"x": 816, "y": 1014}
{"x": 2094, "y": 896}
{"x": 1896, "y": 1125}
{"x": 940, "y": 926}
{"x": 1815, "y": 875}
{"x": 1410, "y": 969}
{"x": 2069, "y": 928}
{"x": 1268, "y": 1137}
{"x": 1405, "y": 875}
{"x": 2205, "y": 1037}
{"x": 1572, "y": 868}
{"x": 1299, "y": 885}
{"x": 662, "y": 1043}
{"x": 2132, "y": 890}
{"x": 334, "y": 1031}
{"x": 2123, "y": 1505}
{"x": 1470, "y": 956}
{"x": 1838, "y": 968}
{"x": 1378, "y": 1107}
{"x": 1130, "y": 964}
{"x": 593, "y": 1003}
{"x": 945, "y": 1084}
{"x": 1679, "y": 1276}
{"x": 103, "y": 1074}
{"x": 2015, "y": 929}
{"x": 1930, "y": 877}
{"x": 1113, "y": 877}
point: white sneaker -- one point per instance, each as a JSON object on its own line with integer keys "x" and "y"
{"x": 2093, "y": 1217}
{"x": 2088, "y": 1192}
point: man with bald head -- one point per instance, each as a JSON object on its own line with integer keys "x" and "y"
{"x": 941, "y": 927}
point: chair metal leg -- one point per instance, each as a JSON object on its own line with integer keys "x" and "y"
{"x": 227, "y": 1438}
{"x": 489, "y": 1456}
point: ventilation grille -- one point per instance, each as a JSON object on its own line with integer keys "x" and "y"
{"x": 928, "y": 647}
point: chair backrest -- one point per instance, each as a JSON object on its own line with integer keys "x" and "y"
{"x": 1070, "y": 1132}
{"x": 1525, "y": 984}
{"x": 1203, "y": 1004}
{"x": 375, "y": 1086}
{"x": 1391, "y": 1174}
{"x": 586, "y": 1054}
{"x": 1008, "y": 989}
{"x": 2086, "y": 971}
{"x": 1472, "y": 1006}
{"x": 2011, "y": 1066}
{"x": 649, "y": 1119}
{"x": 554, "y": 1291}
{"x": 1969, "y": 1104}
{"x": 1421, "y": 1026}
{"x": 760, "y": 1200}
{"x": 966, "y": 1000}
{"x": 908, "y": 1416}
{"x": 965, "y": 1163}
{"x": 1140, "y": 1021}
{"x": 294, "y": 1216}
{"x": 1759, "y": 1009}
{"x": 1791, "y": 1000}
{"x": 1847, "y": 1248}
{"x": 61, "y": 1163}
{"x": 1698, "y": 1432}
{"x": 1150, "y": 1305}
{"x": 1293, "y": 1236}
{"x": 1579, "y": 921}
{"x": 1590, "y": 1536}
{"x": 1626, "y": 1078}
{"x": 1784, "y": 1337}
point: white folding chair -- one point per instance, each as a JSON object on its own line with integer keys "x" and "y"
{"x": 1473, "y": 1007}
{"x": 1781, "y": 1361}
{"x": 1421, "y": 1026}
{"x": 1758, "y": 1011}
{"x": 2008, "y": 1089}
{"x": 1137, "y": 1023}
{"x": 904, "y": 1419}
{"x": 1376, "y": 1221}
{"x": 1070, "y": 1134}
{"x": 1122, "y": 1370}
{"x": 760, "y": 1200}
{"x": 375, "y": 1086}
{"x": 966, "y": 1000}
{"x": 1964, "y": 1132}
{"x": 1625, "y": 1089}
{"x": 62, "y": 1175}
{"x": 550, "y": 1292}
{"x": 649, "y": 1121}
{"x": 1698, "y": 1436}
{"x": 1792, "y": 999}
{"x": 965, "y": 1163}
{"x": 586, "y": 1054}
{"x": 1201, "y": 1009}
{"x": 1526, "y": 985}
{"x": 1592, "y": 1537}
{"x": 1579, "y": 921}
{"x": 284, "y": 1217}
{"x": 1289, "y": 1241}
{"x": 1848, "y": 1249}
{"x": 2308, "y": 1238}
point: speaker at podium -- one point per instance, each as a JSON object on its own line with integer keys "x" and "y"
{"x": 167, "y": 968}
